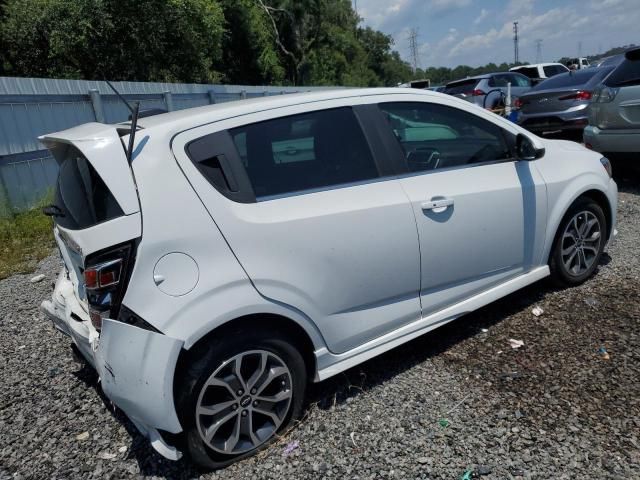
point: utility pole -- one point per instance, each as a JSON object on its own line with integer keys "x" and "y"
{"x": 579, "y": 48}
{"x": 516, "y": 56}
{"x": 539, "y": 50}
{"x": 413, "y": 48}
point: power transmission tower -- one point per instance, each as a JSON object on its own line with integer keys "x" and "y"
{"x": 539, "y": 50}
{"x": 413, "y": 48}
{"x": 516, "y": 56}
{"x": 355, "y": 6}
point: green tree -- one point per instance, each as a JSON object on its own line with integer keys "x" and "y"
{"x": 249, "y": 52}
{"x": 150, "y": 40}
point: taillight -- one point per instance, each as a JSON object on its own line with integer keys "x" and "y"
{"x": 579, "y": 95}
{"x": 477, "y": 93}
{"x": 103, "y": 274}
{"x": 517, "y": 103}
{"x": 105, "y": 277}
{"x": 605, "y": 94}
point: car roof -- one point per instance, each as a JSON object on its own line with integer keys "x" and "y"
{"x": 187, "y": 118}
{"x": 537, "y": 65}
{"x": 481, "y": 77}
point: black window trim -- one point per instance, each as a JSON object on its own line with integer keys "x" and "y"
{"x": 376, "y": 135}
{"x": 510, "y": 142}
{"x": 231, "y": 165}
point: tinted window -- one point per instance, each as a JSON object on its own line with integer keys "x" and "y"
{"x": 504, "y": 79}
{"x": 462, "y": 86}
{"x": 436, "y": 136}
{"x": 304, "y": 152}
{"x": 569, "y": 79}
{"x": 531, "y": 72}
{"x": 552, "y": 70}
{"x": 627, "y": 73}
{"x": 81, "y": 197}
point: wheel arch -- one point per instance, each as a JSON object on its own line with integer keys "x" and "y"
{"x": 270, "y": 322}
{"x": 593, "y": 192}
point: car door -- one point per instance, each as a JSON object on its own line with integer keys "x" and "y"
{"x": 305, "y": 204}
{"x": 479, "y": 213}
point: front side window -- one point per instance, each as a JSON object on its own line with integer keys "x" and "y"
{"x": 436, "y": 136}
{"x": 304, "y": 152}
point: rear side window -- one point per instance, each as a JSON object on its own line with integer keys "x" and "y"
{"x": 304, "y": 152}
{"x": 82, "y": 199}
{"x": 626, "y": 74}
{"x": 464, "y": 86}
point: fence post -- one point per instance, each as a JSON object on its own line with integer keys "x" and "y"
{"x": 6, "y": 209}
{"x": 212, "y": 96}
{"x": 168, "y": 100}
{"x": 96, "y": 101}
{"x": 243, "y": 94}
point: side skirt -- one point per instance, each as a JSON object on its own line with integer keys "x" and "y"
{"x": 330, "y": 364}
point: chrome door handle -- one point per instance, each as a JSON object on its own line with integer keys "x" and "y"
{"x": 442, "y": 203}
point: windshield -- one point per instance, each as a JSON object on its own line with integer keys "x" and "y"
{"x": 463, "y": 86}
{"x": 82, "y": 199}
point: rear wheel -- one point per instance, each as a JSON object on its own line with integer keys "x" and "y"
{"x": 578, "y": 244}
{"x": 239, "y": 392}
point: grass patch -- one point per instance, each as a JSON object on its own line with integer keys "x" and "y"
{"x": 25, "y": 239}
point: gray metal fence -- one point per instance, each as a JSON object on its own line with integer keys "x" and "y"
{"x": 30, "y": 107}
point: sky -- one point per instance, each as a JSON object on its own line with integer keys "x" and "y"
{"x": 477, "y": 32}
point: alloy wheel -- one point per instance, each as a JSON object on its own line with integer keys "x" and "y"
{"x": 581, "y": 243}
{"x": 244, "y": 402}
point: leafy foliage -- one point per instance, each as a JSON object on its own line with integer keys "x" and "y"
{"x": 265, "y": 42}
{"x": 162, "y": 40}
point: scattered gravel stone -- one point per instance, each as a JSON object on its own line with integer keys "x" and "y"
{"x": 37, "y": 278}
{"x": 57, "y": 426}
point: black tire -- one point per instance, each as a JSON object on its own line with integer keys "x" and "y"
{"x": 560, "y": 274}
{"x": 203, "y": 361}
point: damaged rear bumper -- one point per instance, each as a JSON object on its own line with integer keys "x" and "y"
{"x": 136, "y": 366}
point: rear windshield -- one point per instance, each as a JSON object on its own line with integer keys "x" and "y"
{"x": 531, "y": 72}
{"x": 463, "y": 86}
{"x": 569, "y": 79}
{"x": 626, "y": 74}
{"x": 82, "y": 199}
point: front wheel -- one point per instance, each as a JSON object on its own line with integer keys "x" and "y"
{"x": 578, "y": 244}
{"x": 238, "y": 394}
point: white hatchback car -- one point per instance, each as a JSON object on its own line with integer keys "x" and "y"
{"x": 254, "y": 246}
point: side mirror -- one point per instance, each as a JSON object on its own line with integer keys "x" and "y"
{"x": 526, "y": 150}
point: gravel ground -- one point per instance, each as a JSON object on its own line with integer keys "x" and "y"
{"x": 456, "y": 400}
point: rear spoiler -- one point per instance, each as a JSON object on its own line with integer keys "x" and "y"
{"x": 101, "y": 145}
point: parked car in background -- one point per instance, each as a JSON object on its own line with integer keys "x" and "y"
{"x": 561, "y": 103}
{"x": 212, "y": 278}
{"x": 612, "y": 61}
{"x": 489, "y": 90}
{"x": 540, "y": 71}
{"x": 439, "y": 88}
{"x": 614, "y": 115}
{"x": 419, "y": 84}
{"x": 578, "y": 63}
